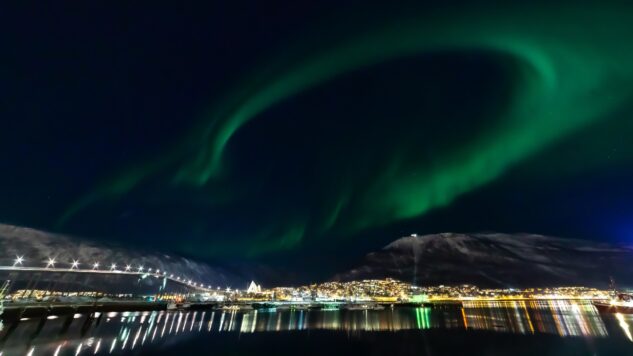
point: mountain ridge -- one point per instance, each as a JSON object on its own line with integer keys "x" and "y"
{"x": 38, "y": 245}
{"x": 497, "y": 260}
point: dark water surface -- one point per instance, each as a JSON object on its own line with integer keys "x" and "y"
{"x": 477, "y": 328}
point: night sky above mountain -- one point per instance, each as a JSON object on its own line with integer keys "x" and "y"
{"x": 305, "y": 134}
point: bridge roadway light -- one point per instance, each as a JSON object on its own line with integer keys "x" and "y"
{"x": 140, "y": 268}
{"x": 18, "y": 260}
{"x": 113, "y": 267}
{"x": 95, "y": 266}
{"x": 50, "y": 263}
{"x": 75, "y": 264}
{"x": 128, "y": 267}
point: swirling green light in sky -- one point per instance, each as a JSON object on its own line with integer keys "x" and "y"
{"x": 575, "y": 65}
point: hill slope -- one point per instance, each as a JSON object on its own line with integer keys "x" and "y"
{"x": 497, "y": 260}
{"x": 37, "y": 246}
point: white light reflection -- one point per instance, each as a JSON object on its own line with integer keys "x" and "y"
{"x": 178, "y": 324}
{"x": 171, "y": 326}
{"x": 162, "y": 333}
{"x": 113, "y": 345}
{"x": 221, "y": 321}
{"x": 193, "y": 320}
{"x": 624, "y": 325}
{"x": 147, "y": 332}
{"x": 154, "y": 333}
{"x": 232, "y": 320}
{"x": 184, "y": 325}
{"x": 201, "y": 321}
{"x": 138, "y": 333}
{"x": 211, "y": 321}
{"x": 125, "y": 341}
{"x": 245, "y": 322}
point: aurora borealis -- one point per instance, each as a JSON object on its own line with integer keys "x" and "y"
{"x": 282, "y": 130}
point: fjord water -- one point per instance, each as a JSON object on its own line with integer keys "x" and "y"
{"x": 486, "y": 328}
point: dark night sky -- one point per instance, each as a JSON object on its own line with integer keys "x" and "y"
{"x": 306, "y": 134}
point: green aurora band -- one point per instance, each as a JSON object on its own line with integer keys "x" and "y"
{"x": 574, "y": 67}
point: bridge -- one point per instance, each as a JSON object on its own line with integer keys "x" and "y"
{"x": 43, "y": 291}
{"x": 72, "y": 278}
{"x": 113, "y": 271}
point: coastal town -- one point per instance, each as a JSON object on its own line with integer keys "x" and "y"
{"x": 375, "y": 291}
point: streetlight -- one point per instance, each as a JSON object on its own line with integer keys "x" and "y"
{"x": 140, "y": 268}
{"x": 18, "y": 260}
{"x": 75, "y": 264}
{"x": 95, "y": 266}
{"x": 50, "y": 263}
{"x": 113, "y": 267}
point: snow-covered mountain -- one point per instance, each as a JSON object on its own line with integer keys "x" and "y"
{"x": 496, "y": 259}
{"x": 37, "y": 246}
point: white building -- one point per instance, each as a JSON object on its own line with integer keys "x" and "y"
{"x": 254, "y": 288}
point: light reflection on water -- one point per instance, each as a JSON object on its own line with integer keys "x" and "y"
{"x": 563, "y": 318}
{"x": 129, "y": 332}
